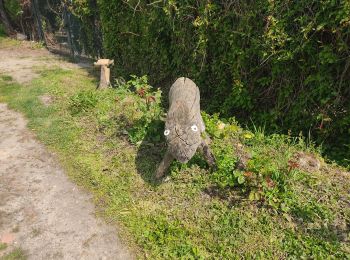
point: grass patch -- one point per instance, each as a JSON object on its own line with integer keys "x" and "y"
{"x": 6, "y": 78}
{"x": 3, "y": 246}
{"x": 109, "y": 142}
{"x": 16, "y": 254}
{"x": 6, "y": 42}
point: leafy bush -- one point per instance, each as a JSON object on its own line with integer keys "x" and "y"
{"x": 283, "y": 64}
{"x": 147, "y": 103}
{"x": 83, "y": 101}
{"x": 13, "y": 8}
{"x": 269, "y": 166}
{"x": 89, "y": 33}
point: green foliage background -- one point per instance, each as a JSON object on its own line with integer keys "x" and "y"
{"x": 13, "y": 8}
{"x": 90, "y": 34}
{"x": 283, "y": 64}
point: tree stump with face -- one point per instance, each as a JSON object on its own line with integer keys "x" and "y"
{"x": 184, "y": 126}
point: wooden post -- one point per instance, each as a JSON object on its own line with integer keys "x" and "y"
{"x": 105, "y": 72}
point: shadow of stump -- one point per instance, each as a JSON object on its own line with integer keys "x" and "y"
{"x": 151, "y": 152}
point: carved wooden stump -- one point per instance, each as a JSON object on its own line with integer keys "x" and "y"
{"x": 105, "y": 72}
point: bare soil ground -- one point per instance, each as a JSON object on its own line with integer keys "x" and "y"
{"x": 21, "y": 62}
{"x": 41, "y": 211}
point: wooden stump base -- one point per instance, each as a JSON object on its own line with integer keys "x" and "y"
{"x": 105, "y": 72}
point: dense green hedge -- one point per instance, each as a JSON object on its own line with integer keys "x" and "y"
{"x": 280, "y": 63}
{"x": 90, "y": 35}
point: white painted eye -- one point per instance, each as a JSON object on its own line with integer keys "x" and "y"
{"x": 194, "y": 128}
{"x": 166, "y": 132}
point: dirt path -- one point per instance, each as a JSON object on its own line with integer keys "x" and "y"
{"x": 41, "y": 211}
{"x": 21, "y": 62}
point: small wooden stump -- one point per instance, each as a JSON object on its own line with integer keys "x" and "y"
{"x": 105, "y": 72}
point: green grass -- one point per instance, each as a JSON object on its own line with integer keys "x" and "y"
{"x": 6, "y": 78}
{"x": 16, "y": 254}
{"x": 6, "y": 42}
{"x": 196, "y": 214}
{"x": 3, "y": 246}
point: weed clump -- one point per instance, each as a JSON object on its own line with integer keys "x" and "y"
{"x": 83, "y": 101}
{"x": 257, "y": 167}
{"x": 146, "y": 103}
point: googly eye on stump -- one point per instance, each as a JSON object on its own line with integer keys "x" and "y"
{"x": 166, "y": 132}
{"x": 194, "y": 128}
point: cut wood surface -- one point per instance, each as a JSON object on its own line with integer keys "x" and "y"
{"x": 105, "y": 72}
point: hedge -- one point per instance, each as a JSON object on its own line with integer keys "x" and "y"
{"x": 283, "y": 64}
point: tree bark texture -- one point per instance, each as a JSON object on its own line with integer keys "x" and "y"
{"x": 5, "y": 19}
